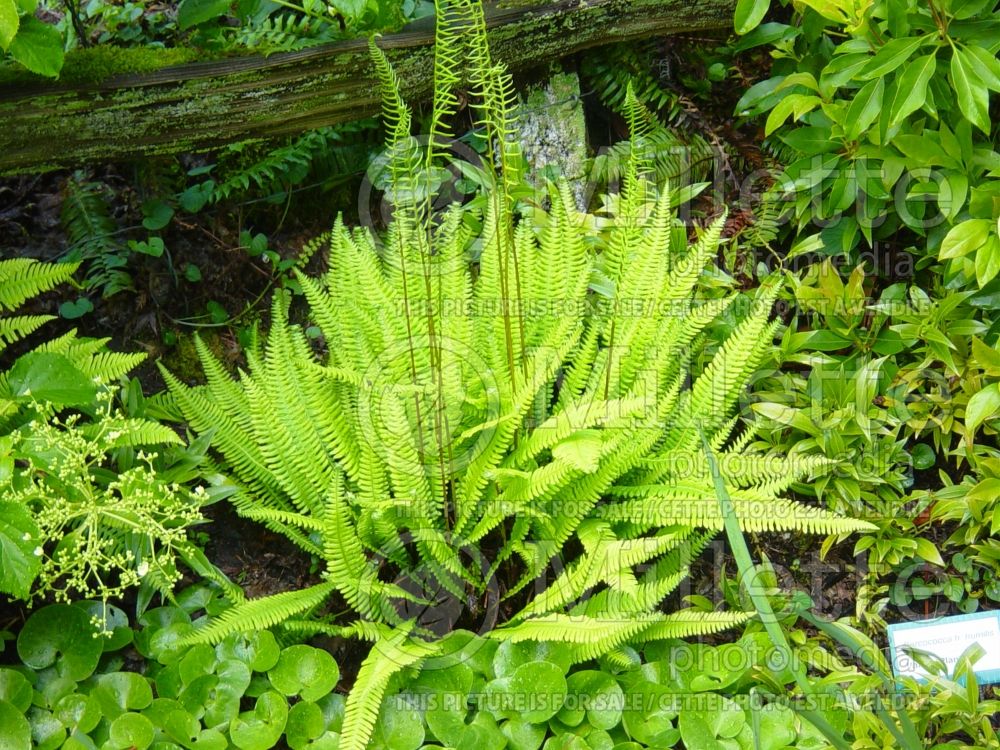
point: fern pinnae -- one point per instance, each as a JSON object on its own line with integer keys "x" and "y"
{"x": 388, "y": 656}
{"x": 258, "y": 614}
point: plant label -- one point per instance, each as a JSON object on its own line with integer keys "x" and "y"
{"x": 947, "y": 638}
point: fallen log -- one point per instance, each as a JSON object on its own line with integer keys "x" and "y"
{"x": 206, "y": 104}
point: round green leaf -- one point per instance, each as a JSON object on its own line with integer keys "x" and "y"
{"x": 599, "y": 694}
{"x": 78, "y": 712}
{"x": 15, "y": 689}
{"x": 649, "y": 715}
{"x": 197, "y": 662}
{"x": 923, "y": 456}
{"x": 305, "y": 723}
{"x": 110, "y": 619}
{"x": 63, "y": 635}
{"x": 15, "y": 733}
{"x": 260, "y": 650}
{"x": 399, "y": 726}
{"x": 533, "y": 693}
{"x": 119, "y": 692}
{"x": 509, "y": 655}
{"x": 47, "y": 732}
{"x": 523, "y": 736}
{"x": 305, "y": 671}
{"x": 261, "y": 728}
{"x": 132, "y": 731}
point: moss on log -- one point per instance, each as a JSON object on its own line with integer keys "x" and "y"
{"x": 202, "y": 105}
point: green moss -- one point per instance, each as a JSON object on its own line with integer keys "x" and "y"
{"x": 93, "y": 65}
{"x": 183, "y": 361}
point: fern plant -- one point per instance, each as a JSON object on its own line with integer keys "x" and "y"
{"x": 92, "y": 235}
{"x": 523, "y": 392}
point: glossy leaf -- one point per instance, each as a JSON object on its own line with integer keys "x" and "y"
{"x": 973, "y": 96}
{"x": 749, "y": 14}
{"x": 911, "y": 88}
{"x": 18, "y": 540}
{"x": 864, "y": 108}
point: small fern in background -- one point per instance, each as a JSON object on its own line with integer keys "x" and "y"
{"x": 284, "y": 33}
{"x": 92, "y": 235}
{"x": 330, "y": 152}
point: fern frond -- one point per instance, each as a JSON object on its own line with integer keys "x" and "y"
{"x": 259, "y": 614}
{"x": 387, "y": 657}
{"x": 23, "y": 278}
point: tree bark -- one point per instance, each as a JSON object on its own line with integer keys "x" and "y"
{"x": 202, "y": 105}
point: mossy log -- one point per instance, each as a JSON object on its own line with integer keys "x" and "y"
{"x": 201, "y": 105}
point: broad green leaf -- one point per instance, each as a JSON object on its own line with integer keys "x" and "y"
{"x": 922, "y": 151}
{"x": 911, "y": 88}
{"x": 988, "y": 68}
{"x": 194, "y": 12}
{"x": 120, "y": 692}
{"x": 600, "y": 695}
{"x": 19, "y": 536}
{"x": 964, "y": 238}
{"x": 9, "y": 22}
{"x": 973, "y": 96}
{"x": 749, "y": 14}
{"x": 927, "y": 550}
{"x": 399, "y": 727}
{"x": 15, "y": 689}
{"x": 46, "y": 376}
{"x": 38, "y": 47}
{"x": 261, "y": 728}
{"x": 15, "y": 732}
{"x": 865, "y": 108}
{"x": 891, "y": 56}
{"x": 812, "y": 140}
{"x": 304, "y": 671}
{"x": 796, "y": 104}
{"x": 132, "y": 731}
{"x": 60, "y": 635}
{"x": 305, "y": 724}
{"x": 988, "y": 260}
{"x": 983, "y": 405}
{"x": 841, "y": 70}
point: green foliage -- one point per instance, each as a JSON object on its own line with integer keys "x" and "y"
{"x": 896, "y": 133}
{"x": 252, "y": 691}
{"x": 93, "y": 235}
{"x": 452, "y": 410}
{"x": 84, "y": 513}
{"x": 35, "y": 45}
{"x": 94, "y": 528}
{"x": 520, "y": 392}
